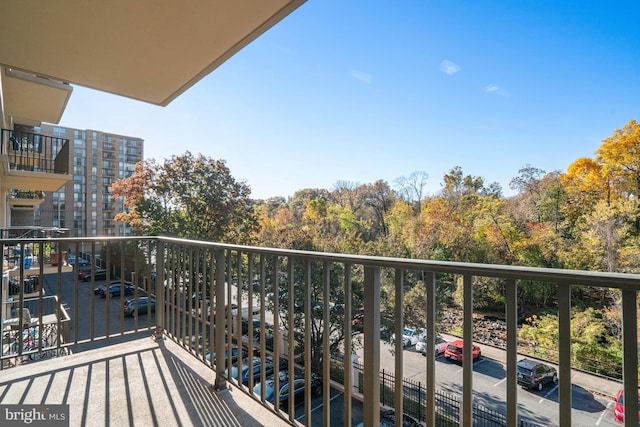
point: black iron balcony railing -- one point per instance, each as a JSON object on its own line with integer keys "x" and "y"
{"x": 204, "y": 295}
{"x": 35, "y": 152}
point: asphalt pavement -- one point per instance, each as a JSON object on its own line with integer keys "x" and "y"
{"x": 593, "y": 383}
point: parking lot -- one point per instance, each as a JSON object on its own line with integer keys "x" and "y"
{"x": 489, "y": 384}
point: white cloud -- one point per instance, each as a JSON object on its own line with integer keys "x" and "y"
{"x": 494, "y": 88}
{"x": 491, "y": 88}
{"x": 284, "y": 49}
{"x": 362, "y": 76}
{"x": 449, "y": 67}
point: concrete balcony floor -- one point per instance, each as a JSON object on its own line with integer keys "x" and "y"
{"x": 140, "y": 382}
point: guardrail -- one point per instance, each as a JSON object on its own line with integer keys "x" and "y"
{"x": 35, "y": 152}
{"x": 32, "y": 328}
{"x": 310, "y": 299}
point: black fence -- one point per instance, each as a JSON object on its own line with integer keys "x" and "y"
{"x": 35, "y": 152}
{"x": 447, "y": 405}
{"x": 30, "y": 285}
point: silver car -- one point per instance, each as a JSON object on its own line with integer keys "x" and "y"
{"x": 441, "y": 345}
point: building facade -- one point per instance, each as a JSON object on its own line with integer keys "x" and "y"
{"x": 85, "y": 206}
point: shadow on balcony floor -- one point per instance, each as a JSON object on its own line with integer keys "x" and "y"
{"x": 141, "y": 382}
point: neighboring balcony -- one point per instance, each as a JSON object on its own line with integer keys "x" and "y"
{"x": 25, "y": 199}
{"x": 197, "y": 297}
{"x": 30, "y": 161}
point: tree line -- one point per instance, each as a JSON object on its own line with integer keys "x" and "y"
{"x": 585, "y": 218}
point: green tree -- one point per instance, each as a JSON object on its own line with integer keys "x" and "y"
{"x": 593, "y": 347}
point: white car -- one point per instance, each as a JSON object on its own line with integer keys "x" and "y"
{"x": 410, "y": 336}
{"x": 441, "y": 345}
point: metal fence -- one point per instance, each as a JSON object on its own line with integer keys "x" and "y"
{"x": 302, "y": 289}
{"x": 447, "y": 405}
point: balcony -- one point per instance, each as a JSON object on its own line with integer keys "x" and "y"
{"x": 31, "y": 161}
{"x": 19, "y": 199}
{"x": 157, "y": 367}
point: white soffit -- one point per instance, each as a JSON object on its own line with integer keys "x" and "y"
{"x": 150, "y": 50}
{"x": 29, "y": 99}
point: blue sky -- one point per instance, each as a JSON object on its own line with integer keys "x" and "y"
{"x": 362, "y": 90}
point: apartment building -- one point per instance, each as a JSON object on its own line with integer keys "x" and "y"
{"x": 85, "y": 206}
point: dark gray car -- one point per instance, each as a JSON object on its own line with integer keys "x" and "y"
{"x": 534, "y": 374}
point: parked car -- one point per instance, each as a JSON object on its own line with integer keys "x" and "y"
{"x": 73, "y": 260}
{"x": 102, "y": 289}
{"x": 534, "y": 374}
{"x": 388, "y": 419}
{"x": 116, "y": 287}
{"x": 410, "y": 336}
{"x": 357, "y": 322}
{"x": 454, "y": 351}
{"x": 234, "y": 355}
{"x": 144, "y": 304}
{"x": 245, "y": 327}
{"x": 618, "y": 410}
{"x": 257, "y": 369}
{"x": 99, "y": 274}
{"x": 284, "y": 392}
{"x": 441, "y": 346}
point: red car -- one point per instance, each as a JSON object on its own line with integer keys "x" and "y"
{"x": 618, "y": 410}
{"x": 454, "y": 351}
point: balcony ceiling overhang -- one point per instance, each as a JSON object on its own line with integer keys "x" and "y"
{"x": 148, "y": 50}
{"x": 25, "y": 180}
{"x": 30, "y": 99}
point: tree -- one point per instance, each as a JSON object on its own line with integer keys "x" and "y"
{"x": 188, "y": 196}
{"x": 585, "y": 184}
{"x": 459, "y": 189}
{"x": 411, "y": 188}
{"x": 527, "y": 183}
{"x": 620, "y": 158}
{"x": 604, "y": 230}
{"x": 132, "y": 190}
{"x": 348, "y": 194}
{"x": 378, "y": 198}
{"x": 593, "y": 348}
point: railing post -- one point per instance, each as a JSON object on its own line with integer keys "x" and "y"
{"x": 350, "y": 375}
{"x": 630, "y": 356}
{"x": 326, "y": 359}
{"x": 564, "y": 353}
{"x": 430, "y": 284}
{"x": 399, "y": 344}
{"x": 467, "y": 353}
{"x": 159, "y": 290}
{"x": 371, "y": 407}
{"x": 219, "y": 335}
{"x": 512, "y": 352}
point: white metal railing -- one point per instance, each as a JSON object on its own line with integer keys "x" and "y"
{"x": 198, "y": 283}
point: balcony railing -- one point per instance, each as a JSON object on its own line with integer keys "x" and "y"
{"x": 203, "y": 291}
{"x": 35, "y": 152}
{"x": 27, "y": 195}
